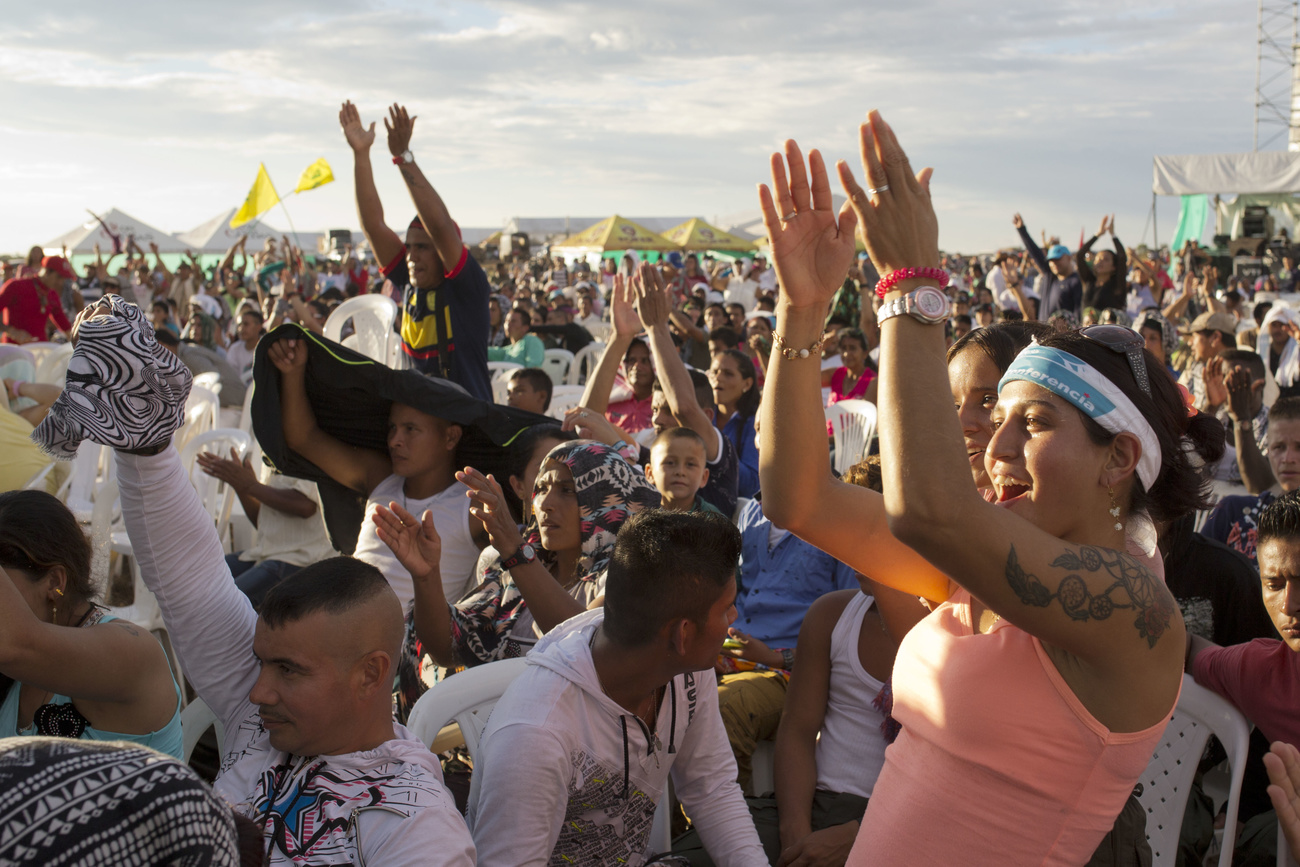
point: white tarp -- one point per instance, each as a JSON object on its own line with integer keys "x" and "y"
{"x": 216, "y": 236}
{"x": 84, "y": 237}
{"x": 1259, "y": 172}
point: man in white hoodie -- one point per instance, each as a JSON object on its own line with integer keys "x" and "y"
{"x": 311, "y": 752}
{"x": 578, "y": 751}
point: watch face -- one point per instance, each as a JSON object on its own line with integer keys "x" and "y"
{"x": 528, "y": 552}
{"x": 931, "y": 303}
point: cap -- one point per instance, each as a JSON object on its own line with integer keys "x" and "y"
{"x": 1057, "y": 252}
{"x": 1214, "y": 322}
{"x": 60, "y": 266}
{"x": 674, "y": 258}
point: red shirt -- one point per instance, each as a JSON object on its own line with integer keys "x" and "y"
{"x": 1262, "y": 678}
{"x": 28, "y": 304}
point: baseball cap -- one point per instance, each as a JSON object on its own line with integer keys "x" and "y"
{"x": 1214, "y": 322}
{"x": 60, "y": 266}
{"x": 675, "y": 259}
{"x": 1057, "y": 252}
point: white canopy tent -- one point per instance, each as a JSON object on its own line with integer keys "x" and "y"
{"x": 1269, "y": 178}
{"x": 84, "y": 237}
{"x": 216, "y": 236}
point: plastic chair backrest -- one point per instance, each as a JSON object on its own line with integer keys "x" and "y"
{"x": 1167, "y": 780}
{"x": 78, "y": 490}
{"x": 853, "y": 424}
{"x": 202, "y": 414}
{"x": 372, "y": 323}
{"x": 246, "y": 415}
{"x": 557, "y": 363}
{"x": 584, "y": 362}
{"x": 210, "y": 380}
{"x": 52, "y": 369}
{"x": 40, "y": 349}
{"x": 499, "y": 371}
{"x": 101, "y": 531}
{"x": 466, "y": 698}
{"x": 563, "y": 399}
{"x": 196, "y": 719}
{"x": 217, "y": 497}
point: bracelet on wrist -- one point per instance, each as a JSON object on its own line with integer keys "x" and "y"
{"x": 791, "y": 354}
{"x": 889, "y": 280}
{"x": 18, "y": 383}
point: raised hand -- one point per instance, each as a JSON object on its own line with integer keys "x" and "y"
{"x": 239, "y": 474}
{"x": 359, "y": 138}
{"x": 898, "y": 224}
{"x": 489, "y": 507}
{"x": 1017, "y": 222}
{"x": 651, "y": 301}
{"x": 400, "y": 126}
{"x": 1282, "y": 763}
{"x": 415, "y": 543}
{"x": 592, "y": 425}
{"x": 1241, "y": 388}
{"x": 1216, "y": 389}
{"x": 1102, "y": 230}
{"x": 289, "y": 355}
{"x": 626, "y": 321}
{"x": 812, "y": 248}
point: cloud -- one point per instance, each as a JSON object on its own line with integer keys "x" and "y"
{"x": 584, "y": 107}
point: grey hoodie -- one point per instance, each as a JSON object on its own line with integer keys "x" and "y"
{"x": 571, "y": 777}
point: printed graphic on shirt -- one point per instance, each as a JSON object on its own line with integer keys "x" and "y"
{"x": 1198, "y": 614}
{"x": 601, "y": 826}
{"x": 426, "y": 324}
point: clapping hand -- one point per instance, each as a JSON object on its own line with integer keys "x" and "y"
{"x": 898, "y": 224}
{"x": 489, "y": 507}
{"x": 1216, "y": 389}
{"x": 812, "y": 248}
{"x": 400, "y": 125}
{"x": 239, "y": 474}
{"x": 415, "y": 543}
{"x": 651, "y": 298}
{"x": 622, "y": 310}
{"x": 357, "y": 135}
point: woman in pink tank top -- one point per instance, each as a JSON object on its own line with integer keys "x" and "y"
{"x": 1032, "y": 696}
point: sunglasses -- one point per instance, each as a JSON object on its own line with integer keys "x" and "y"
{"x": 1128, "y": 343}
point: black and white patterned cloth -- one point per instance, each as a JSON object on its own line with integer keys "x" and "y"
{"x": 123, "y": 389}
{"x": 90, "y": 803}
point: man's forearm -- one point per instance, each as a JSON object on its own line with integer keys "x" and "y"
{"x": 433, "y": 212}
{"x": 601, "y": 380}
{"x": 1256, "y": 474}
{"x": 370, "y": 210}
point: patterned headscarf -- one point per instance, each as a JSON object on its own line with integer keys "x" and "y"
{"x": 66, "y": 802}
{"x": 123, "y": 389}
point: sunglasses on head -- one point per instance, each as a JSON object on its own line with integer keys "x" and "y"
{"x": 1128, "y": 343}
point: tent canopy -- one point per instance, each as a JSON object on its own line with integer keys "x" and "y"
{"x": 1259, "y": 172}
{"x": 695, "y": 234}
{"x": 617, "y": 233}
{"x": 84, "y": 237}
{"x": 216, "y": 236}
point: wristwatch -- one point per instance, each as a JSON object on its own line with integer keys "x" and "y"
{"x": 926, "y": 304}
{"x": 525, "y": 554}
{"x": 405, "y": 157}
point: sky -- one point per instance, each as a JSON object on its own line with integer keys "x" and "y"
{"x": 1051, "y": 109}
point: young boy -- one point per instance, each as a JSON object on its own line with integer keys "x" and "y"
{"x": 529, "y": 388}
{"x": 678, "y": 468}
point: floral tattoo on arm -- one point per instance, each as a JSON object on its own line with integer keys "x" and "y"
{"x": 1132, "y": 588}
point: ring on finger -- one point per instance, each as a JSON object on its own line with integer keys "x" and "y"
{"x": 871, "y": 191}
{"x": 785, "y": 218}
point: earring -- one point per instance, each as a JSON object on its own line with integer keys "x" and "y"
{"x": 1114, "y": 509}
{"x": 54, "y": 608}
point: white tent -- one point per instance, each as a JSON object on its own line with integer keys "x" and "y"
{"x": 84, "y": 237}
{"x": 216, "y": 236}
{"x": 1258, "y": 172}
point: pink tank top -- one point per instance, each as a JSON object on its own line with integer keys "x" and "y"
{"x": 998, "y": 762}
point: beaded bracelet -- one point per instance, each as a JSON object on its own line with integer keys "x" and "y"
{"x": 887, "y": 282}
{"x": 790, "y": 354}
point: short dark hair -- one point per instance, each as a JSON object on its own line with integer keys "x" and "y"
{"x": 854, "y": 334}
{"x": 538, "y": 380}
{"x": 866, "y": 473}
{"x": 1002, "y": 341}
{"x": 253, "y": 312}
{"x": 1245, "y": 357}
{"x": 667, "y": 566}
{"x": 749, "y": 401}
{"x": 166, "y": 338}
{"x": 1280, "y": 520}
{"x": 678, "y": 433}
{"x": 1284, "y": 408}
{"x": 726, "y": 335}
{"x": 1260, "y": 311}
{"x": 335, "y": 585}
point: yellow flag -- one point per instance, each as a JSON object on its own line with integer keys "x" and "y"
{"x": 261, "y": 198}
{"x": 315, "y": 175}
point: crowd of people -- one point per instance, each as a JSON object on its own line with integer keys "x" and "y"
{"x": 964, "y": 649}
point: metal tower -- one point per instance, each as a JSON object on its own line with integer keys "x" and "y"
{"x": 1277, "y": 98}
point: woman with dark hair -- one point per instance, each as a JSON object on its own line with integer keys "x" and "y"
{"x": 852, "y": 380}
{"x": 735, "y": 390}
{"x": 1032, "y": 696}
{"x": 497, "y": 305}
{"x": 68, "y": 667}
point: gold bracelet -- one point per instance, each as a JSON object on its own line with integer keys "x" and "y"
{"x": 791, "y": 354}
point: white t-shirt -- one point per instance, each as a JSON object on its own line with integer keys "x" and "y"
{"x": 288, "y": 538}
{"x": 241, "y": 359}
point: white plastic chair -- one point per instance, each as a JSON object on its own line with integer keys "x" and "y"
{"x": 202, "y": 414}
{"x": 246, "y": 415}
{"x": 88, "y": 468}
{"x": 563, "y": 399}
{"x": 52, "y": 368}
{"x": 1167, "y": 780}
{"x": 853, "y": 424}
{"x": 218, "y": 497}
{"x": 741, "y": 503}
{"x": 584, "y": 362}
{"x": 763, "y": 764}
{"x": 372, "y": 318}
{"x": 210, "y": 380}
{"x": 196, "y": 719}
{"x": 557, "y": 363}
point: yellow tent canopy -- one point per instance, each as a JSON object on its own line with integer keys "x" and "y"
{"x": 695, "y": 234}
{"x": 617, "y": 233}
{"x": 493, "y": 240}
